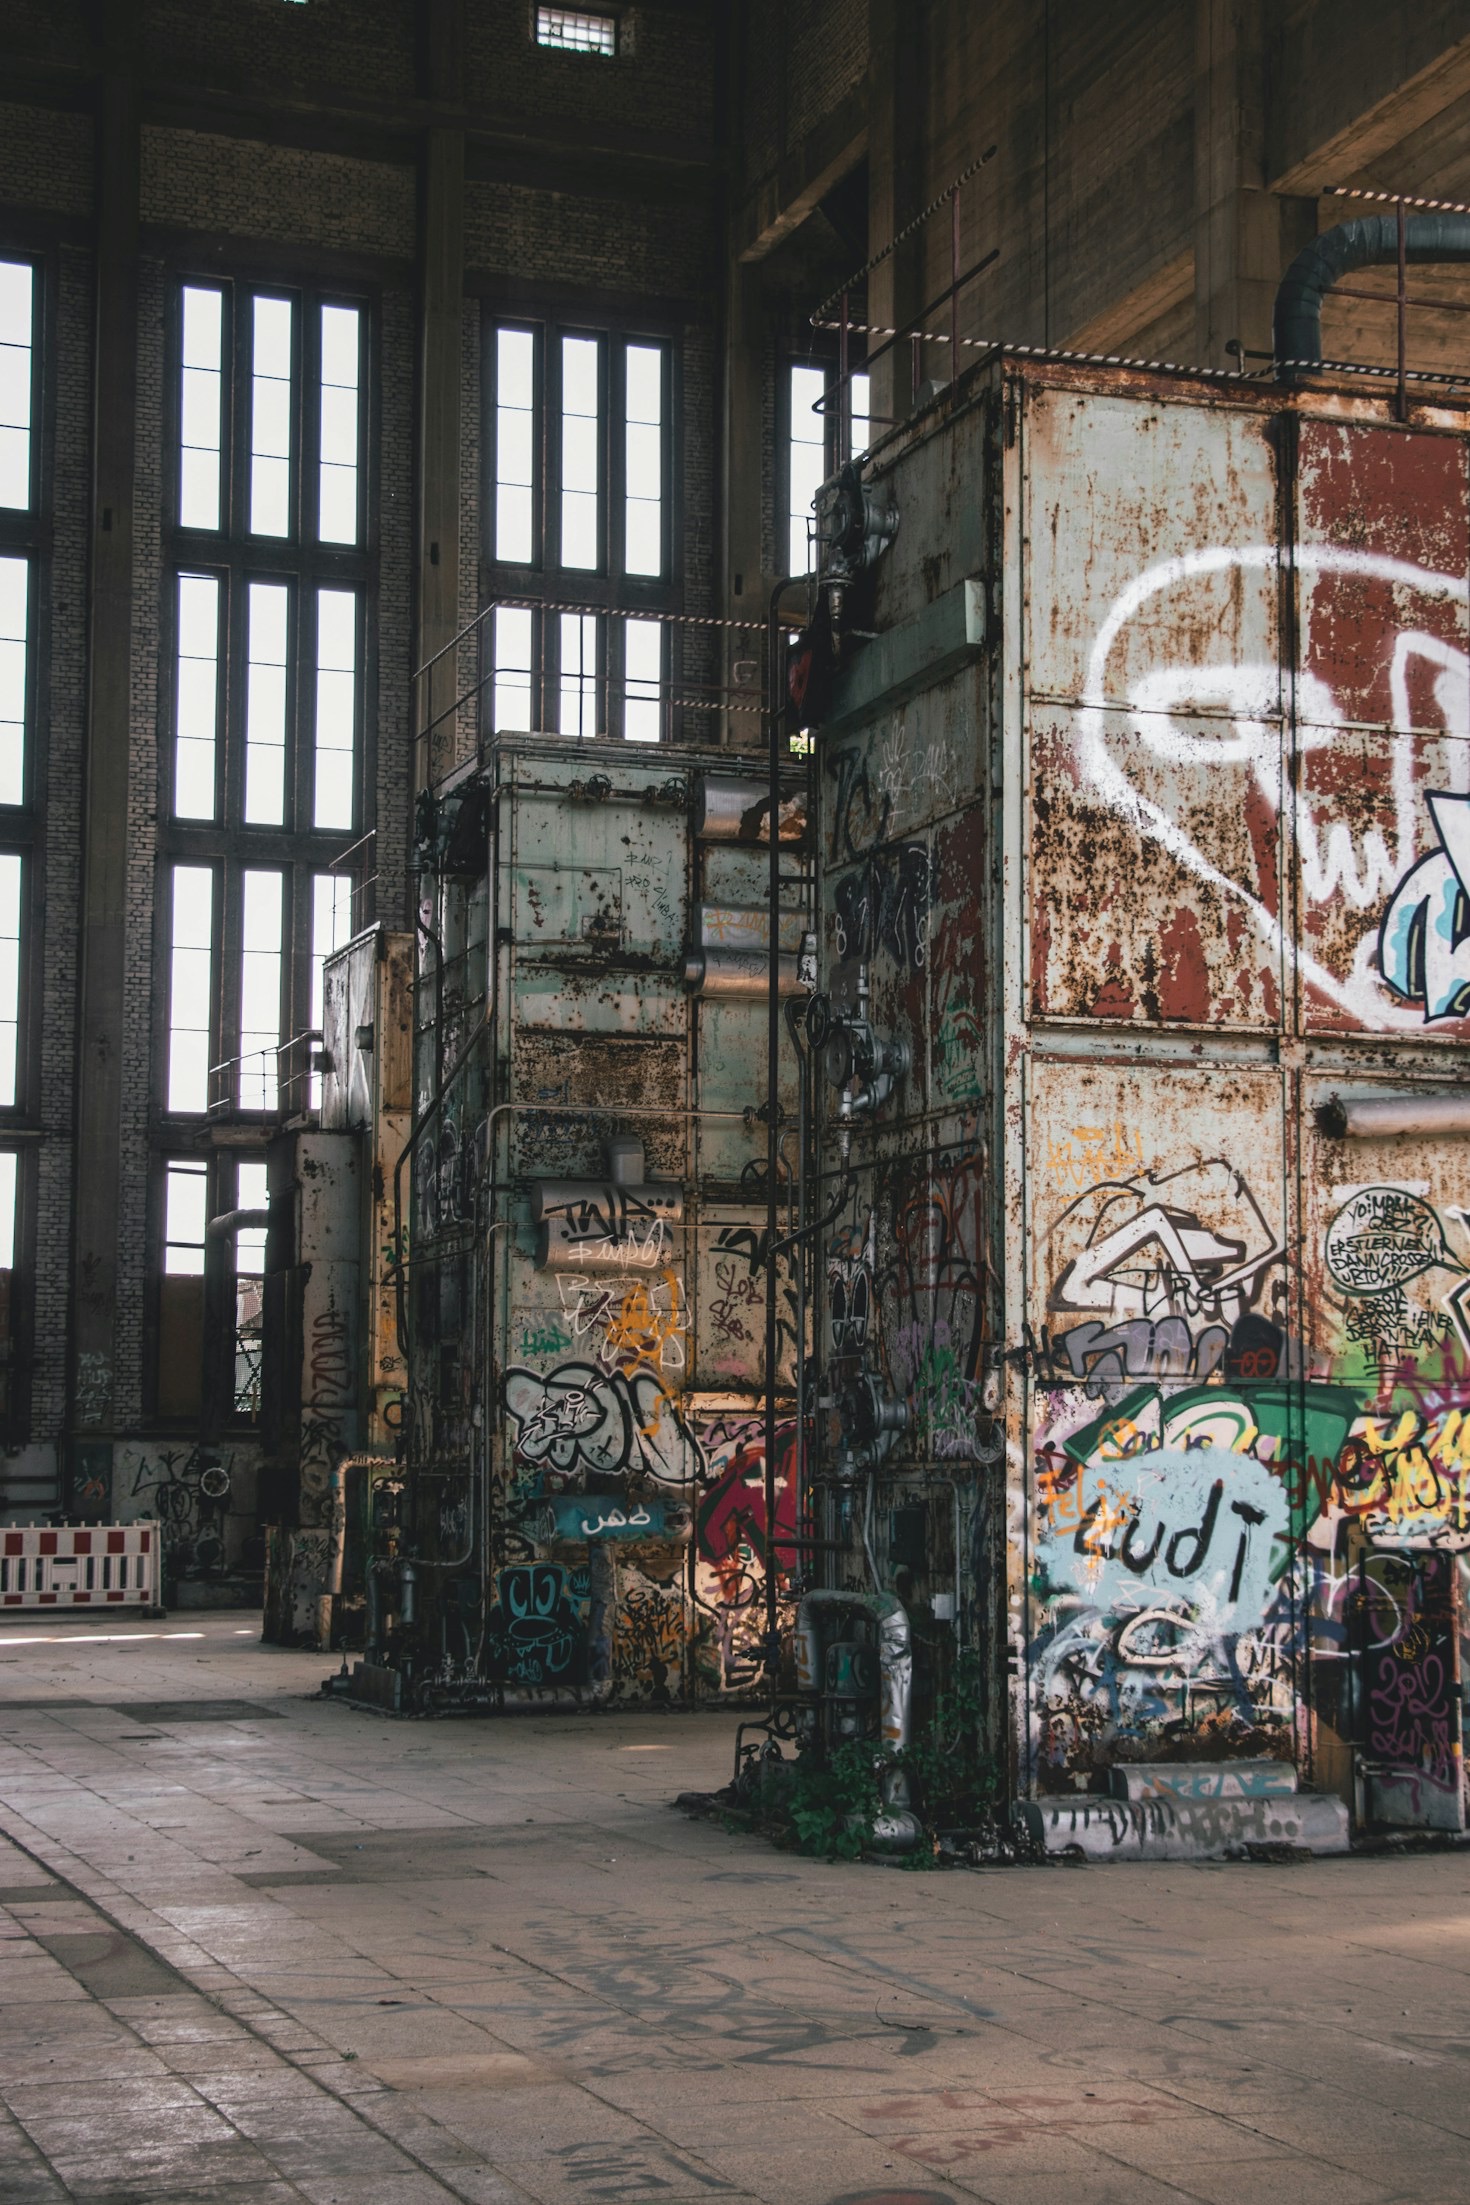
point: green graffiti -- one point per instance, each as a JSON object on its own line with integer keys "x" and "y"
{"x": 1297, "y": 1431}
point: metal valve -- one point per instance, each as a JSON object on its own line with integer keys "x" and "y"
{"x": 872, "y": 1423}
{"x": 862, "y": 1064}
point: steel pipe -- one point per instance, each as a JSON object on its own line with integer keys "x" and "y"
{"x": 1386, "y": 1116}
{"x": 740, "y": 974}
{"x": 1372, "y": 241}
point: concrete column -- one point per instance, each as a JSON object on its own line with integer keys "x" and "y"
{"x": 1244, "y": 235}
{"x": 746, "y": 474}
{"x": 441, "y": 314}
{"x": 898, "y": 186}
{"x": 105, "y": 816}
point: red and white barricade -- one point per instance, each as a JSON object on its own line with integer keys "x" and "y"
{"x": 79, "y": 1566}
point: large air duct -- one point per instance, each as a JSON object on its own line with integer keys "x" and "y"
{"x": 621, "y": 1223}
{"x": 740, "y": 974}
{"x": 1384, "y": 1117}
{"x": 898, "y": 1829}
{"x": 733, "y": 809}
{"x": 1371, "y": 241}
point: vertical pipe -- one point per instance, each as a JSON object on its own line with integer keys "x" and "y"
{"x": 775, "y": 711}
{"x": 1402, "y": 404}
{"x": 954, "y": 284}
{"x": 795, "y": 1227}
{"x": 844, "y": 395}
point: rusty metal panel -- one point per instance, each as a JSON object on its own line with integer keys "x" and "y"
{"x": 1154, "y": 871}
{"x": 597, "y": 999}
{"x": 635, "y": 1390}
{"x": 394, "y": 1022}
{"x": 328, "y": 1189}
{"x": 1383, "y": 717}
{"x": 603, "y": 1072}
{"x": 1159, "y": 1521}
{"x": 607, "y": 874}
{"x": 1386, "y": 1324}
{"x": 960, "y": 996}
{"x": 730, "y": 1303}
{"x": 1152, "y": 659}
{"x": 942, "y": 523}
{"x": 349, "y": 998}
{"x": 894, "y": 777}
{"x": 1137, "y": 512}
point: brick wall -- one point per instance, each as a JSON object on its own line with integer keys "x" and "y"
{"x": 660, "y": 80}
{"x": 220, "y": 197}
{"x": 235, "y": 187}
{"x": 64, "y": 640}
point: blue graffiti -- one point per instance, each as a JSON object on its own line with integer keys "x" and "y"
{"x": 1424, "y": 941}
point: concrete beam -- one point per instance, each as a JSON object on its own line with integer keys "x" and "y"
{"x": 441, "y": 318}
{"x": 369, "y": 129}
{"x": 782, "y": 201}
{"x": 101, "y": 1010}
{"x": 1244, "y": 233}
{"x": 1118, "y": 328}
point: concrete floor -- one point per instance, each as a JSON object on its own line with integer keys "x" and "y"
{"x": 267, "y": 1950}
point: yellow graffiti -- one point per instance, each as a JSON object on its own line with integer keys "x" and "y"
{"x": 1414, "y": 1477}
{"x": 640, "y": 1330}
{"x": 638, "y": 1323}
{"x": 1092, "y": 1154}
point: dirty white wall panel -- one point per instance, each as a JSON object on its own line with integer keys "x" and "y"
{"x": 623, "y": 1392}
{"x": 1234, "y": 864}
{"x": 1165, "y": 870}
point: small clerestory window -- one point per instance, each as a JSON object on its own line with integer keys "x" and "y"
{"x": 574, "y": 31}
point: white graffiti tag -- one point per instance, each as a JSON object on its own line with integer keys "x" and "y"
{"x": 1425, "y": 971}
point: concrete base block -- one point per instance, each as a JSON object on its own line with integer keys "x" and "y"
{"x": 376, "y": 1687}
{"x": 1175, "y": 1829}
{"x": 1202, "y": 1780}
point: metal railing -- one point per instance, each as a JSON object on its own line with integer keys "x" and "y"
{"x": 702, "y": 696}
{"x": 912, "y": 331}
{"x": 835, "y": 315}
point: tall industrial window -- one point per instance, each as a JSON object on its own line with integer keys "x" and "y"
{"x": 25, "y": 525}
{"x": 211, "y": 1289}
{"x": 17, "y": 381}
{"x": 580, "y": 537}
{"x": 250, "y": 1197}
{"x": 191, "y": 989}
{"x": 269, "y": 618}
{"x": 181, "y": 1288}
{"x": 9, "y": 1252}
{"x": 811, "y": 451}
{"x": 15, "y": 635}
{"x": 331, "y": 930}
{"x": 10, "y": 888}
{"x": 185, "y": 1218}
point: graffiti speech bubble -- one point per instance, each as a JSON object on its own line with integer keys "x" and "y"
{"x": 1384, "y": 1237}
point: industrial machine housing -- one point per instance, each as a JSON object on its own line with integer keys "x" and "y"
{"x": 1122, "y": 961}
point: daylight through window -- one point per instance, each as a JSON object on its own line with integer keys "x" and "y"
{"x": 570, "y": 30}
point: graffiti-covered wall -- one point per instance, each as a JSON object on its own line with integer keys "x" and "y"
{"x": 1146, "y": 824}
{"x": 588, "y": 1301}
{"x": 1239, "y": 671}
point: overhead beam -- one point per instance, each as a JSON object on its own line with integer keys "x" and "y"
{"x": 335, "y": 121}
{"x": 803, "y": 177}
{"x": 1366, "y": 136}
